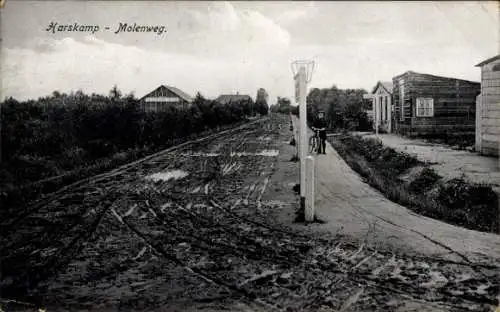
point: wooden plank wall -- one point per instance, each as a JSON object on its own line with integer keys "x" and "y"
{"x": 454, "y": 104}
{"x": 479, "y": 114}
{"x": 398, "y": 123}
{"x": 490, "y": 108}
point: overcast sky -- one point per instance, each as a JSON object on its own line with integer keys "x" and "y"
{"x": 228, "y": 47}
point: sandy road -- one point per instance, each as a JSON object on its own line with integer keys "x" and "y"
{"x": 216, "y": 238}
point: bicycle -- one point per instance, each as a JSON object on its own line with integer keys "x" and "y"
{"x": 314, "y": 141}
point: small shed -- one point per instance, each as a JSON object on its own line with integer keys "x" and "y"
{"x": 488, "y": 108}
{"x": 162, "y": 97}
{"x": 433, "y": 105}
{"x": 382, "y": 106}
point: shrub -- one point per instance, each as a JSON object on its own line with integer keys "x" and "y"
{"x": 100, "y": 148}
{"x": 472, "y": 205}
{"x": 425, "y": 180}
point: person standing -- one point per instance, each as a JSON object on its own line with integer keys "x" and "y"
{"x": 319, "y": 124}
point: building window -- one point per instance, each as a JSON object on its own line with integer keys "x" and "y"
{"x": 425, "y": 107}
{"x": 496, "y": 67}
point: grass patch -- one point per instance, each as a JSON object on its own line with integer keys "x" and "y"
{"x": 456, "y": 202}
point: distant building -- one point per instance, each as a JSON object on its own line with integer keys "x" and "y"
{"x": 382, "y": 109}
{"x": 233, "y": 98}
{"x": 432, "y": 105}
{"x": 488, "y": 108}
{"x": 163, "y": 97}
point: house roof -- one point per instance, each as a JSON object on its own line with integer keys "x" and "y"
{"x": 227, "y": 98}
{"x": 488, "y": 60}
{"x": 387, "y": 85}
{"x": 181, "y": 94}
{"x": 410, "y": 72}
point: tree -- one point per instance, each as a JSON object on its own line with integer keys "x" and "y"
{"x": 283, "y": 105}
{"x": 261, "y": 107}
{"x": 341, "y": 106}
{"x": 261, "y": 104}
{"x": 115, "y": 94}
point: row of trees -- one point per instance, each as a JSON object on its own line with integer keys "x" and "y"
{"x": 345, "y": 109}
{"x": 48, "y": 136}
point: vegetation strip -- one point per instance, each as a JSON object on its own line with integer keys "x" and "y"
{"x": 457, "y": 201}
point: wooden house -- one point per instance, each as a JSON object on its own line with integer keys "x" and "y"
{"x": 488, "y": 108}
{"x": 432, "y": 105}
{"x": 162, "y": 97}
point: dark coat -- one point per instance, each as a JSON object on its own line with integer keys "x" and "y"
{"x": 320, "y": 123}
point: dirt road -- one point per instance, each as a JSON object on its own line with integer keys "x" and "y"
{"x": 206, "y": 226}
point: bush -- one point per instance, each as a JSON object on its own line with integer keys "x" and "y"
{"x": 387, "y": 159}
{"x": 99, "y": 148}
{"x": 425, "y": 181}
{"x": 32, "y": 167}
{"x": 471, "y": 205}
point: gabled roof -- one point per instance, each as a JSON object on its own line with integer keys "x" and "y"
{"x": 181, "y": 94}
{"x": 387, "y": 85}
{"x": 488, "y": 60}
{"x": 227, "y": 98}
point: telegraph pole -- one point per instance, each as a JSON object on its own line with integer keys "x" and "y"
{"x": 303, "y": 133}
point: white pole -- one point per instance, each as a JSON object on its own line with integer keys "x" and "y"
{"x": 377, "y": 114}
{"x": 310, "y": 180}
{"x": 303, "y": 131}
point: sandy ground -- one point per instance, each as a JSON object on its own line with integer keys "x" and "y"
{"x": 352, "y": 208}
{"x": 222, "y": 238}
{"x": 448, "y": 162}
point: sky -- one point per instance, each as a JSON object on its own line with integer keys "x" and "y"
{"x": 227, "y": 47}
